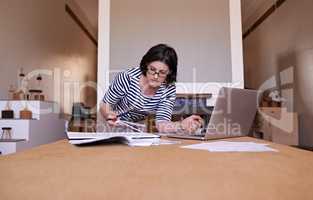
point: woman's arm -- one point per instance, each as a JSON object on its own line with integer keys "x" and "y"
{"x": 164, "y": 114}
{"x": 190, "y": 125}
{"x": 116, "y": 91}
{"x": 107, "y": 113}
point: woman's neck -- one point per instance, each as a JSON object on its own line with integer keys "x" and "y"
{"x": 145, "y": 88}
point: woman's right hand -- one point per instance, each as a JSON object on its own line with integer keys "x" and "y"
{"x": 108, "y": 114}
{"x": 111, "y": 118}
{"x": 192, "y": 124}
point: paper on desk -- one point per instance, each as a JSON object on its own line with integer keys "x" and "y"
{"x": 130, "y": 138}
{"x": 224, "y": 146}
{"x": 142, "y": 142}
{"x": 151, "y": 142}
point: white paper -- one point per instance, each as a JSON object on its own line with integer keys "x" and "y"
{"x": 166, "y": 142}
{"x": 130, "y": 138}
{"x": 103, "y": 135}
{"x": 224, "y": 146}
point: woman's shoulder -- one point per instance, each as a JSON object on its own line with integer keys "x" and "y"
{"x": 128, "y": 75}
{"x": 171, "y": 87}
{"x": 169, "y": 90}
{"x": 133, "y": 72}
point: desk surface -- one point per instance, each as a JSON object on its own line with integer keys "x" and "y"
{"x": 62, "y": 171}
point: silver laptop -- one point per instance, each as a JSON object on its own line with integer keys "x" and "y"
{"x": 232, "y": 116}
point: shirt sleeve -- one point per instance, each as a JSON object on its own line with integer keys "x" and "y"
{"x": 165, "y": 108}
{"x": 117, "y": 89}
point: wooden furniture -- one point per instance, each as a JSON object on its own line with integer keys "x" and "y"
{"x": 278, "y": 125}
{"x": 40, "y": 125}
{"x": 84, "y": 125}
{"x": 63, "y": 171}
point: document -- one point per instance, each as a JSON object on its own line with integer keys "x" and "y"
{"x": 129, "y": 138}
{"x": 225, "y": 146}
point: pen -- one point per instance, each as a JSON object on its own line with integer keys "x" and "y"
{"x": 131, "y": 126}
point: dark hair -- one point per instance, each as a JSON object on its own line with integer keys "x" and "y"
{"x": 162, "y": 53}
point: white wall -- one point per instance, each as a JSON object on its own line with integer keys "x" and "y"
{"x": 39, "y": 34}
{"x": 206, "y": 34}
{"x": 199, "y": 30}
{"x": 279, "y": 53}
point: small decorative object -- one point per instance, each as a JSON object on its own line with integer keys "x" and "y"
{"x": 26, "y": 114}
{"x": 19, "y": 94}
{"x": 7, "y": 113}
{"x": 276, "y": 98}
{"x": 27, "y": 94}
{"x": 6, "y": 133}
{"x": 11, "y": 91}
{"x": 40, "y": 96}
{"x": 272, "y": 99}
{"x": 36, "y": 94}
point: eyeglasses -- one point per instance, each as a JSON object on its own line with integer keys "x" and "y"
{"x": 161, "y": 73}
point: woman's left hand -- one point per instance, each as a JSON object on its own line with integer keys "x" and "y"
{"x": 192, "y": 124}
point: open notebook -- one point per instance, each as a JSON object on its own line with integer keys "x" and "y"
{"x": 130, "y": 138}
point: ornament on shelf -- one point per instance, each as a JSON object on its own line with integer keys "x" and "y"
{"x": 7, "y": 113}
{"x": 26, "y": 113}
{"x": 19, "y": 94}
{"x": 6, "y": 133}
{"x": 36, "y": 94}
{"x": 26, "y": 85}
{"x": 39, "y": 85}
{"x": 11, "y": 91}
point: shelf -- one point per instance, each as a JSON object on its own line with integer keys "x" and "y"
{"x": 17, "y": 119}
{"x": 11, "y": 100}
{"x": 194, "y": 95}
{"x": 12, "y": 140}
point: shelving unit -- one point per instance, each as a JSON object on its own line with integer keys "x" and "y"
{"x": 278, "y": 125}
{"x": 45, "y": 127}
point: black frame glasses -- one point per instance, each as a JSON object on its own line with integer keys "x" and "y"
{"x": 159, "y": 73}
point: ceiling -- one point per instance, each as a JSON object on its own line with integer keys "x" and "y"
{"x": 90, "y": 9}
{"x": 251, "y": 10}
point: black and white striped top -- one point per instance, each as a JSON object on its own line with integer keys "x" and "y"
{"x": 125, "y": 97}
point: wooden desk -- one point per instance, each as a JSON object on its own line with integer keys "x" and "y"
{"x": 62, "y": 171}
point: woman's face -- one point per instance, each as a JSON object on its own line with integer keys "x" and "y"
{"x": 156, "y": 73}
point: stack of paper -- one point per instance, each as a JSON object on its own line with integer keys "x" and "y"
{"x": 151, "y": 142}
{"x": 130, "y": 138}
{"x": 224, "y": 146}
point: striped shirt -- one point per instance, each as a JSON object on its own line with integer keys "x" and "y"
{"x": 126, "y": 99}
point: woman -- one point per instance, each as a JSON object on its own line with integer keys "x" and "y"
{"x": 149, "y": 88}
